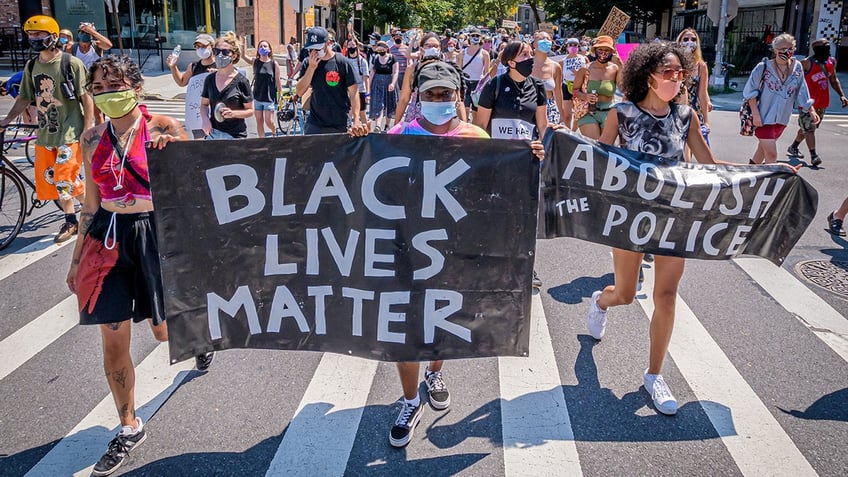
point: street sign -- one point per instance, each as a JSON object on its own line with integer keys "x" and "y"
{"x": 307, "y": 4}
{"x": 615, "y": 23}
{"x": 714, "y": 10}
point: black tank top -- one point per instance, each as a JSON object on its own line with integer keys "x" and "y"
{"x": 264, "y": 86}
{"x": 383, "y": 69}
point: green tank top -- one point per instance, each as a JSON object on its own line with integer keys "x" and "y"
{"x": 602, "y": 87}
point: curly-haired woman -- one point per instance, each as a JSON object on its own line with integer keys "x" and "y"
{"x": 651, "y": 122}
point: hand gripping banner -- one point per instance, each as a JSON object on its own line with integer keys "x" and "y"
{"x": 644, "y": 203}
{"x": 397, "y": 248}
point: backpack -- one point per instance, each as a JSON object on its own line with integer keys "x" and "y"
{"x": 67, "y": 86}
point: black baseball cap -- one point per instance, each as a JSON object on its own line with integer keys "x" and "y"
{"x": 316, "y": 38}
{"x": 437, "y": 74}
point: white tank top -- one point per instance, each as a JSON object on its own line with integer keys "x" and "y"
{"x": 87, "y": 58}
{"x": 474, "y": 68}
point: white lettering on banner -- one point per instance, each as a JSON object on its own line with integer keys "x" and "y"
{"x": 435, "y": 186}
{"x": 344, "y": 260}
{"x": 587, "y": 163}
{"x": 573, "y": 205}
{"x": 615, "y": 178}
{"x": 389, "y": 317}
{"x": 504, "y": 128}
{"x": 246, "y": 188}
{"x": 641, "y": 183}
{"x": 437, "y": 259}
{"x": 278, "y": 200}
{"x": 371, "y": 255}
{"x": 272, "y": 258}
{"x": 763, "y": 198}
{"x": 329, "y": 184}
{"x": 676, "y": 199}
{"x": 369, "y": 181}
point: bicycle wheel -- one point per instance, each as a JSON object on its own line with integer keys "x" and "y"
{"x": 12, "y": 207}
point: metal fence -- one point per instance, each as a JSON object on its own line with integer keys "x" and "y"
{"x": 747, "y": 39}
{"x": 13, "y": 50}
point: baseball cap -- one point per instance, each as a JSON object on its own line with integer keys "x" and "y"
{"x": 204, "y": 39}
{"x": 374, "y": 36}
{"x": 574, "y": 41}
{"x": 437, "y": 74}
{"x": 316, "y": 37}
{"x": 474, "y": 31}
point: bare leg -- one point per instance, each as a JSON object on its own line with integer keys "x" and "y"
{"x": 810, "y": 138}
{"x": 260, "y": 126}
{"x": 408, "y": 372}
{"x": 269, "y": 121}
{"x": 566, "y": 114}
{"x": 769, "y": 150}
{"x": 68, "y": 205}
{"x": 758, "y": 154}
{"x": 668, "y": 271}
{"x": 842, "y": 211}
{"x": 120, "y": 373}
{"x": 435, "y": 365}
{"x": 626, "y": 265}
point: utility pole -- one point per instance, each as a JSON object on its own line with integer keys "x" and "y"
{"x": 300, "y": 23}
{"x": 718, "y": 77}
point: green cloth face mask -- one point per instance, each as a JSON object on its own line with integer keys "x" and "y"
{"x": 116, "y": 104}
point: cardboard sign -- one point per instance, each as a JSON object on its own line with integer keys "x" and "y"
{"x": 615, "y": 23}
{"x": 244, "y": 20}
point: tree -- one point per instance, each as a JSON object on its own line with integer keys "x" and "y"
{"x": 489, "y": 11}
{"x": 580, "y": 15}
{"x": 436, "y": 15}
{"x": 378, "y": 13}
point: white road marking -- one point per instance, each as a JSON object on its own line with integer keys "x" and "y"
{"x": 799, "y": 300}
{"x": 533, "y": 405}
{"x": 320, "y": 437}
{"x": 29, "y": 340}
{"x": 750, "y": 433}
{"x": 20, "y": 259}
{"x": 76, "y": 453}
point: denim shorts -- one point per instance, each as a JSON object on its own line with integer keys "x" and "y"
{"x": 263, "y": 106}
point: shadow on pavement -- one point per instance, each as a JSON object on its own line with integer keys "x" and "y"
{"x": 580, "y": 288}
{"x": 830, "y": 407}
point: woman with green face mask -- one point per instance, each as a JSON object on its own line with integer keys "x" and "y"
{"x": 115, "y": 264}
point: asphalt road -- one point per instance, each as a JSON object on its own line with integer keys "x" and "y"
{"x": 757, "y": 363}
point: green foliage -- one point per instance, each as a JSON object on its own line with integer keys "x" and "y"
{"x": 489, "y": 12}
{"x": 580, "y": 15}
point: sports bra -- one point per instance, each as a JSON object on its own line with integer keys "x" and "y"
{"x": 601, "y": 87}
{"x": 122, "y": 177}
{"x": 549, "y": 84}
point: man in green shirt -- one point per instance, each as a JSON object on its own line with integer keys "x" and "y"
{"x": 64, "y": 110}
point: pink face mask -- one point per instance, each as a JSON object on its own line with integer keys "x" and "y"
{"x": 572, "y": 50}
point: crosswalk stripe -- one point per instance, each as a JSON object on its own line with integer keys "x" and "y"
{"x": 78, "y": 451}
{"x": 29, "y": 340}
{"x": 20, "y": 259}
{"x": 320, "y": 437}
{"x": 821, "y": 318}
{"x": 751, "y": 434}
{"x": 533, "y": 405}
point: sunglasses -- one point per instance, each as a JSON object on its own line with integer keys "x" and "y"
{"x": 785, "y": 50}
{"x": 689, "y": 38}
{"x": 670, "y": 74}
{"x": 219, "y": 51}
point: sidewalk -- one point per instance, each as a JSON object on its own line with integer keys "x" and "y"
{"x": 733, "y": 101}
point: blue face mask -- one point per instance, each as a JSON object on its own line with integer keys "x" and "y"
{"x": 545, "y": 46}
{"x": 438, "y": 113}
{"x": 264, "y": 51}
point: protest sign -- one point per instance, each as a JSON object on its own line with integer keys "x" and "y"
{"x": 644, "y": 203}
{"x": 615, "y": 24}
{"x": 193, "y": 98}
{"x": 397, "y": 248}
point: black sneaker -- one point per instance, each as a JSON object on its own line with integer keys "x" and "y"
{"x": 815, "y": 160}
{"x": 405, "y": 423}
{"x": 118, "y": 451}
{"x": 67, "y": 231}
{"x": 834, "y": 225}
{"x": 537, "y": 282}
{"x": 437, "y": 389}
{"x": 795, "y": 152}
{"x": 203, "y": 361}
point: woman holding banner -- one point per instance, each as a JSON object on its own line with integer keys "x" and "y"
{"x": 651, "y": 122}
{"x": 115, "y": 265}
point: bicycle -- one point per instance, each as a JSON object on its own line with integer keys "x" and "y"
{"x": 22, "y": 136}
{"x": 14, "y": 207}
{"x": 290, "y": 117}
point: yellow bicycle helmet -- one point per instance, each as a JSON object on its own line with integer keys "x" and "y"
{"x": 42, "y": 23}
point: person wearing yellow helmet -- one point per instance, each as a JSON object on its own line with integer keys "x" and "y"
{"x": 55, "y": 82}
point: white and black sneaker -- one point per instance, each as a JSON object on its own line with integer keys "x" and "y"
{"x": 119, "y": 449}
{"x": 401, "y": 433}
{"x": 437, "y": 390}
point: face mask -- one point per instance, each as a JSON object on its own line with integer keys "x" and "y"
{"x": 264, "y": 51}
{"x": 84, "y": 38}
{"x": 524, "y": 68}
{"x": 572, "y": 50}
{"x": 451, "y": 49}
{"x": 352, "y": 52}
{"x": 382, "y": 52}
{"x": 204, "y": 53}
{"x": 438, "y": 113}
{"x": 63, "y": 41}
{"x": 603, "y": 56}
{"x": 689, "y": 45}
{"x": 432, "y": 51}
{"x": 475, "y": 40}
{"x": 223, "y": 61}
{"x": 544, "y": 46}
{"x": 116, "y": 104}
{"x": 324, "y": 54}
{"x": 41, "y": 44}
{"x": 372, "y": 42}
{"x": 398, "y": 41}
{"x": 821, "y": 53}
{"x": 667, "y": 90}
{"x": 584, "y": 48}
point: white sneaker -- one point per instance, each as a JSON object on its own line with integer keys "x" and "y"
{"x": 658, "y": 389}
{"x": 597, "y": 318}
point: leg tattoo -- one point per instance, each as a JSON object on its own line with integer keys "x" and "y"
{"x": 120, "y": 377}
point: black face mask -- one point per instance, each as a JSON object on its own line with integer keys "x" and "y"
{"x": 821, "y": 53}
{"x": 398, "y": 41}
{"x": 524, "y": 68}
{"x": 41, "y": 44}
{"x": 352, "y": 53}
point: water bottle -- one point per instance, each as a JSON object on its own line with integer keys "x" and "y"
{"x": 175, "y": 55}
{"x": 593, "y": 106}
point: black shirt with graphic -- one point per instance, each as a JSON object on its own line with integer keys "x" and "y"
{"x": 330, "y": 103}
{"x": 516, "y": 102}
{"x": 234, "y": 96}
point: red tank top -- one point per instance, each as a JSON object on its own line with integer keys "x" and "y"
{"x": 122, "y": 179}
{"x": 818, "y": 82}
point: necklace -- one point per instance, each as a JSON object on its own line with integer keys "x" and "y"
{"x": 660, "y": 117}
{"x": 119, "y": 176}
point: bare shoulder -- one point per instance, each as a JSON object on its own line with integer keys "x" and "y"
{"x": 91, "y": 136}
{"x": 159, "y": 124}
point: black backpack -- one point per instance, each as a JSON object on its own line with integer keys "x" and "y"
{"x": 67, "y": 85}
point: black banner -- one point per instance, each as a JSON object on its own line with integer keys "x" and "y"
{"x": 645, "y": 203}
{"x": 397, "y": 248}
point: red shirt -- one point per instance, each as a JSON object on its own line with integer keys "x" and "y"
{"x": 818, "y": 82}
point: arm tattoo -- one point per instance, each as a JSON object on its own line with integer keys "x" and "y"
{"x": 85, "y": 222}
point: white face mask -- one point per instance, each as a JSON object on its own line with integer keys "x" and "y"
{"x": 204, "y": 53}
{"x": 432, "y": 51}
{"x": 324, "y": 53}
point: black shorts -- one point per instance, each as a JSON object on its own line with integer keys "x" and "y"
{"x": 362, "y": 104}
{"x": 566, "y": 94}
{"x": 470, "y": 86}
{"x": 124, "y": 282}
